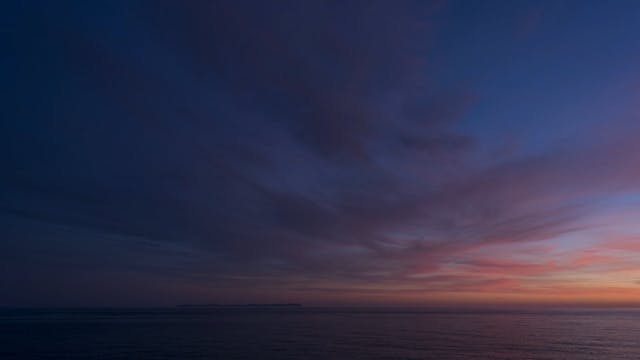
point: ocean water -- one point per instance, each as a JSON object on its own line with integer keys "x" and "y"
{"x": 318, "y": 333}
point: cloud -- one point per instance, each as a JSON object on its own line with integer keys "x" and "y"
{"x": 294, "y": 143}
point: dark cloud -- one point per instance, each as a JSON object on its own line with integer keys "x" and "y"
{"x": 242, "y": 143}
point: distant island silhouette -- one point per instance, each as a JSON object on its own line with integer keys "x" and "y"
{"x": 240, "y": 305}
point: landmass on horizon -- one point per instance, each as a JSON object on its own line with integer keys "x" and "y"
{"x": 292, "y": 305}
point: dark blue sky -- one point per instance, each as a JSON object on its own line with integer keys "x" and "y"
{"x": 162, "y": 152}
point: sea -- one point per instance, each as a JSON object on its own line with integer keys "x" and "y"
{"x": 319, "y": 333}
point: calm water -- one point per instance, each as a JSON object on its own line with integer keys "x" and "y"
{"x": 315, "y": 333}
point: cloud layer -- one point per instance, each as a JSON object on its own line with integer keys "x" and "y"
{"x": 252, "y": 151}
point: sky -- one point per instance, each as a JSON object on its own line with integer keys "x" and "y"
{"x": 320, "y": 152}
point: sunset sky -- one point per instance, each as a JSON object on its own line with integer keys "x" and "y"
{"x": 321, "y": 152}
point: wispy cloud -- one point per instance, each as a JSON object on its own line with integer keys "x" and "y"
{"x": 306, "y": 147}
